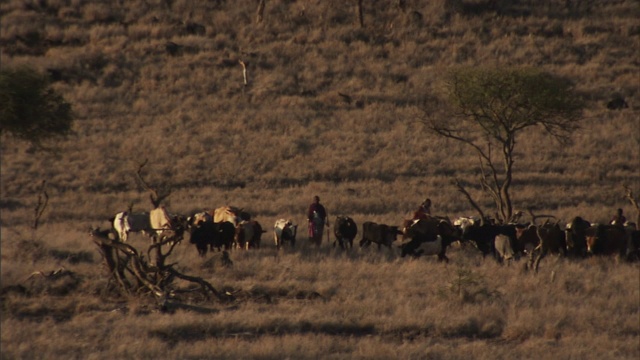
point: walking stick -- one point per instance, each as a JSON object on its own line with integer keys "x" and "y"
{"x": 328, "y": 228}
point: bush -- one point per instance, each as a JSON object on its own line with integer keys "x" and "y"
{"x": 30, "y": 109}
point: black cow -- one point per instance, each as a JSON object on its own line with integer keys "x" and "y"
{"x": 380, "y": 234}
{"x": 225, "y": 232}
{"x": 484, "y": 237}
{"x": 424, "y": 230}
{"x": 633, "y": 248}
{"x": 209, "y": 235}
{"x": 345, "y": 230}
{"x": 576, "y": 238}
{"x": 202, "y": 235}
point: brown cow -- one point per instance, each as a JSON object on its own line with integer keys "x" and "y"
{"x": 380, "y": 234}
{"x": 547, "y": 238}
{"x": 552, "y": 240}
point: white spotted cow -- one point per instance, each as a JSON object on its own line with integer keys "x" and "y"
{"x": 124, "y": 223}
{"x": 284, "y": 230}
{"x": 157, "y": 223}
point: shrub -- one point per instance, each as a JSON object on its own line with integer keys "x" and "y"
{"x": 31, "y": 109}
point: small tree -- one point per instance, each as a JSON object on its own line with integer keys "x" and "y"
{"x": 490, "y": 107}
{"x": 30, "y": 109}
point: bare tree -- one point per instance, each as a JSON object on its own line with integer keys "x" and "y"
{"x": 489, "y": 108}
{"x": 155, "y": 196}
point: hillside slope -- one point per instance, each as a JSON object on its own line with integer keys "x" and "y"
{"x": 330, "y": 107}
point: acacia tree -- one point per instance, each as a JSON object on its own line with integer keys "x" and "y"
{"x": 489, "y": 109}
{"x": 30, "y": 109}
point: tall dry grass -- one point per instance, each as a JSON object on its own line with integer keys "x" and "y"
{"x": 289, "y": 134}
{"x": 323, "y": 303}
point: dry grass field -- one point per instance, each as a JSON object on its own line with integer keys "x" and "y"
{"x": 162, "y": 80}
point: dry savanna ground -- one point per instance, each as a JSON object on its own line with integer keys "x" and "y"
{"x": 331, "y": 108}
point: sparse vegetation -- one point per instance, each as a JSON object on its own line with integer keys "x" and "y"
{"x": 328, "y": 109}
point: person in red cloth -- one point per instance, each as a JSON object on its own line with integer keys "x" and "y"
{"x": 317, "y": 216}
{"x": 424, "y": 211}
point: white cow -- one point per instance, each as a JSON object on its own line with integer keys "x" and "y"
{"x": 429, "y": 247}
{"x": 464, "y": 222}
{"x": 198, "y": 218}
{"x": 284, "y": 230}
{"x": 504, "y": 250}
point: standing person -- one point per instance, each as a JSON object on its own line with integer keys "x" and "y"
{"x": 317, "y": 216}
{"x": 618, "y": 219}
{"x": 424, "y": 211}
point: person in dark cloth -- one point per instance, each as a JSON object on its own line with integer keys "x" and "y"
{"x": 618, "y": 218}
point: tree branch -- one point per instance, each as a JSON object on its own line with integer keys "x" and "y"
{"x": 464, "y": 191}
{"x": 156, "y": 199}
{"x": 634, "y": 202}
{"x": 42, "y": 204}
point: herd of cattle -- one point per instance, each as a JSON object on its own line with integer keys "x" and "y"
{"x": 230, "y": 227}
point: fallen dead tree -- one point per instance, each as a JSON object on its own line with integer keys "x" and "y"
{"x": 134, "y": 275}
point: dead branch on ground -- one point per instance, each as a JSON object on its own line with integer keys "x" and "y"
{"x": 133, "y": 274}
{"x": 244, "y": 71}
